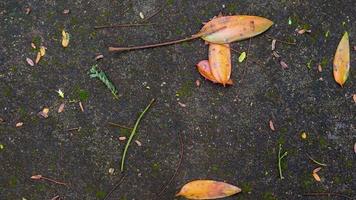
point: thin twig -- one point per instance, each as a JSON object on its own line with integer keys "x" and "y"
{"x": 163, "y": 188}
{"x": 281, "y": 41}
{"x": 154, "y": 14}
{"x": 315, "y": 161}
{"x": 123, "y": 25}
{"x": 39, "y": 177}
{"x": 198, "y": 35}
{"x": 74, "y": 129}
{"x": 133, "y": 133}
{"x": 280, "y": 161}
{"x": 119, "y": 125}
{"x": 327, "y": 194}
{"x": 116, "y": 186}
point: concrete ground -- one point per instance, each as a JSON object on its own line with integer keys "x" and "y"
{"x": 225, "y": 131}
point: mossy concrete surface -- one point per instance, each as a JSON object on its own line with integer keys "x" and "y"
{"x": 226, "y": 131}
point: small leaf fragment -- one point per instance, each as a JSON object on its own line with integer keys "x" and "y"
{"x": 207, "y": 189}
{"x": 61, "y": 108}
{"x": 44, "y": 112}
{"x": 303, "y": 135}
{"x": 316, "y": 177}
{"x": 30, "y": 62}
{"x": 19, "y": 124}
{"x": 65, "y": 39}
{"x": 38, "y": 57}
{"x": 283, "y": 64}
{"x": 341, "y": 62}
{"x": 43, "y": 51}
{"x": 271, "y": 125}
{"x": 354, "y": 97}
{"x": 60, "y": 93}
{"x": 242, "y": 57}
{"x": 273, "y": 45}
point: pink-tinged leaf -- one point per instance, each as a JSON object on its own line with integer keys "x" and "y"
{"x": 30, "y": 62}
{"x": 207, "y": 189}
{"x": 234, "y": 28}
{"x": 342, "y": 60}
{"x": 205, "y": 70}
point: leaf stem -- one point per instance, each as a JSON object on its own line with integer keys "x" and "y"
{"x": 133, "y": 134}
{"x": 315, "y": 161}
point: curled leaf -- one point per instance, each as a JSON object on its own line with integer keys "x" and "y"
{"x": 220, "y": 62}
{"x": 207, "y": 189}
{"x": 65, "y": 39}
{"x": 205, "y": 70}
{"x": 342, "y": 60}
{"x": 234, "y": 28}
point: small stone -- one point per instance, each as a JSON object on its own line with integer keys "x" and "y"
{"x": 320, "y": 69}
{"x": 19, "y": 124}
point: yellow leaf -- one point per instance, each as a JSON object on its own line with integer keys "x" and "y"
{"x": 220, "y": 62}
{"x": 38, "y": 58}
{"x": 316, "y": 177}
{"x": 242, "y": 57}
{"x": 42, "y": 50}
{"x": 207, "y": 189}
{"x": 65, "y": 39}
{"x": 342, "y": 60}
{"x": 226, "y": 29}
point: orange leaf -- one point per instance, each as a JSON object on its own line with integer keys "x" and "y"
{"x": 316, "y": 177}
{"x": 207, "y": 189}
{"x": 342, "y": 60}
{"x": 234, "y": 28}
{"x": 220, "y": 62}
{"x": 205, "y": 70}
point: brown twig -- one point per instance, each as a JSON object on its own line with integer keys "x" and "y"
{"x": 39, "y": 177}
{"x": 121, "y": 180}
{"x": 198, "y": 35}
{"x": 164, "y": 187}
{"x": 74, "y": 129}
{"x": 327, "y": 194}
{"x": 119, "y": 125}
{"x": 281, "y": 41}
{"x": 123, "y": 25}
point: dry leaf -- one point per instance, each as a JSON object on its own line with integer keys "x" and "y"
{"x": 98, "y": 57}
{"x": 207, "y": 189}
{"x": 316, "y": 177}
{"x": 38, "y": 57}
{"x": 138, "y": 143}
{"x": 354, "y": 97}
{"x": 226, "y": 29}
{"x": 320, "y": 68}
{"x": 61, "y": 108}
{"x": 81, "y": 106}
{"x": 66, "y": 11}
{"x": 65, "y": 39}
{"x": 30, "y": 62}
{"x": 19, "y": 124}
{"x": 273, "y": 44}
{"x": 2, "y": 120}
{"x": 275, "y": 54}
{"x": 205, "y": 70}
{"x": 220, "y": 62}
{"x": 182, "y": 105}
{"x": 197, "y": 83}
{"x": 33, "y": 45}
{"x": 342, "y": 60}
{"x": 316, "y": 170}
{"x": 43, "y": 51}
{"x": 271, "y": 125}
{"x": 44, "y": 112}
{"x": 283, "y": 64}
{"x": 36, "y": 177}
{"x": 122, "y": 138}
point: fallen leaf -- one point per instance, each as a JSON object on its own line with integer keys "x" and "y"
{"x": 27, "y": 10}
{"x": 316, "y": 177}
{"x": 65, "y": 39}
{"x": 141, "y": 15}
{"x": 273, "y": 44}
{"x": 271, "y": 125}
{"x": 36, "y": 177}
{"x": 33, "y": 45}
{"x": 207, "y": 189}
{"x": 111, "y": 171}
{"x": 205, "y": 70}
{"x": 197, "y": 83}
{"x": 2, "y": 120}
{"x": 283, "y": 64}
{"x": 316, "y": 170}
{"x": 38, "y": 57}
{"x": 275, "y": 54}
{"x": 43, "y": 51}
{"x": 44, "y": 112}
{"x": 182, "y": 105}
{"x": 342, "y": 60}
{"x": 320, "y": 68}
{"x": 220, "y": 62}
{"x": 242, "y": 57}
{"x": 122, "y": 138}
{"x": 30, "y": 62}
{"x": 227, "y": 29}
{"x": 81, "y": 106}
{"x": 98, "y": 57}
{"x": 66, "y": 11}
{"x": 19, "y": 124}
{"x": 304, "y": 135}
{"x": 60, "y": 93}
{"x": 302, "y": 31}
{"x": 61, "y": 108}
{"x": 354, "y": 97}
{"x": 138, "y": 143}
